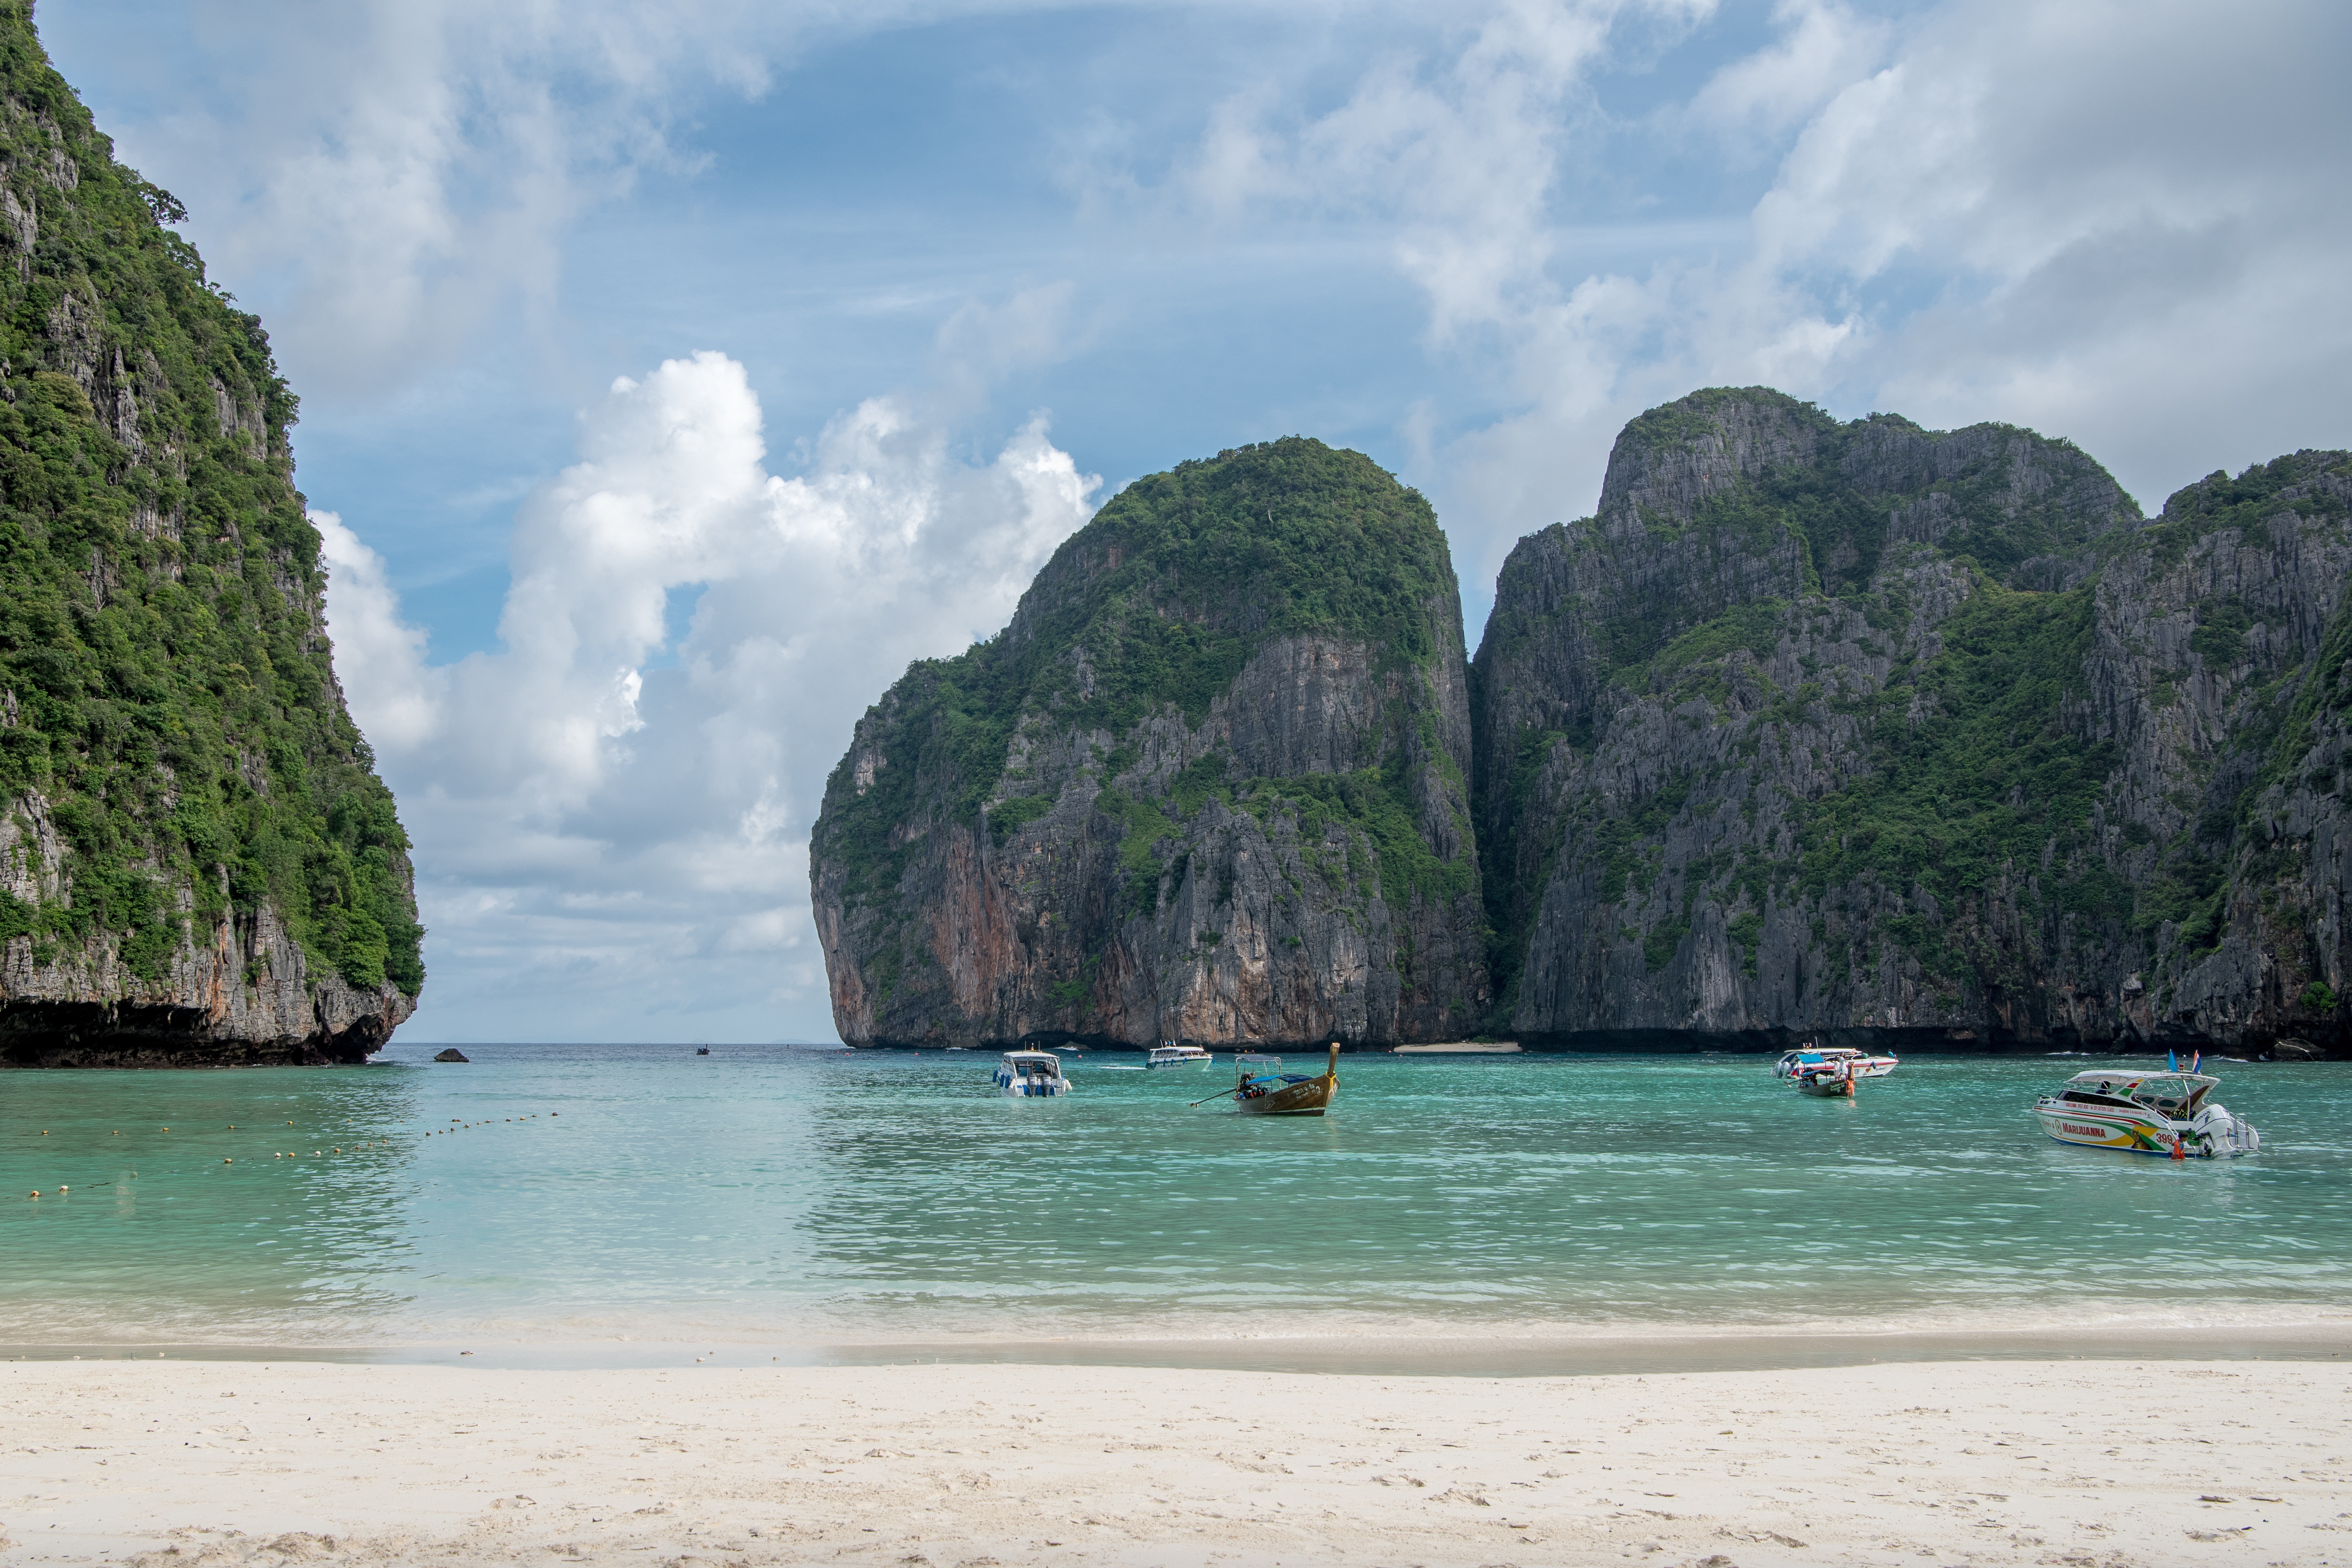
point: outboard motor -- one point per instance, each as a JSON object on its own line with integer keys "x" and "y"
{"x": 2221, "y": 1131}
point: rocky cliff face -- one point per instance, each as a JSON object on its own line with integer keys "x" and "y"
{"x": 1211, "y": 783}
{"x": 197, "y": 863}
{"x": 1924, "y": 735}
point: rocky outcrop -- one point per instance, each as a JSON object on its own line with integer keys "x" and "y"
{"x": 1924, "y": 736}
{"x": 1211, "y": 783}
{"x": 198, "y": 865}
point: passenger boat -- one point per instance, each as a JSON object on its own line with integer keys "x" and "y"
{"x": 1031, "y": 1075}
{"x": 2165, "y": 1113}
{"x": 1175, "y": 1056}
{"x": 1830, "y": 1080}
{"x": 1865, "y": 1065}
{"x": 1264, "y": 1090}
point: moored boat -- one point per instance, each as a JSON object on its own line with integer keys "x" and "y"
{"x": 1830, "y": 1080}
{"x": 1804, "y": 1057}
{"x": 1264, "y": 1090}
{"x": 2169, "y": 1113}
{"x": 1031, "y": 1075}
{"x": 1175, "y": 1056}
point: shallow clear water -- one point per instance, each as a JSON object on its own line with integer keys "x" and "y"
{"x": 796, "y": 1197}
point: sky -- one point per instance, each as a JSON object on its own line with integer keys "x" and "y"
{"x": 673, "y": 374}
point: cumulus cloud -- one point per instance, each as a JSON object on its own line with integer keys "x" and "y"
{"x": 2112, "y": 220}
{"x": 611, "y": 809}
{"x": 394, "y": 179}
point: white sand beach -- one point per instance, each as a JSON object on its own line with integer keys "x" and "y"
{"x": 2085, "y": 1463}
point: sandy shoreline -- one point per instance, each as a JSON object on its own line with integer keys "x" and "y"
{"x": 2081, "y": 1463}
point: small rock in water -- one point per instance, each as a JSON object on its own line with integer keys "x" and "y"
{"x": 452, "y": 1055}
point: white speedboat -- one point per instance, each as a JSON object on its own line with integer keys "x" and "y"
{"x": 1173, "y": 1056}
{"x": 1031, "y": 1075}
{"x": 1807, "y": 1059}
{"x": 2169, "y": 1113}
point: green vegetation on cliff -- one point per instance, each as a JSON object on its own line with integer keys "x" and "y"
{"x": 166, "y": 698}
{"x": 1168, "y": 591}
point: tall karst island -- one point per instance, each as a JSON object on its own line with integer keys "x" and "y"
{"x": 198, "y": 864}
{"x": 1919, "y": 738}
{"x": 1213, "y": 782}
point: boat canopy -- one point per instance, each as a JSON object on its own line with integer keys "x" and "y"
{"x": 2111, "y": 1081}
{"x": 1033, "y": 1057}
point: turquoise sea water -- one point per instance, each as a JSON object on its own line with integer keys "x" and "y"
{"x": 793, "y": 1198}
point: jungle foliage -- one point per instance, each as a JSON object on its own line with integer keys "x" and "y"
{"x": 1156, "y": 604}
{"x": 166, "y": 698}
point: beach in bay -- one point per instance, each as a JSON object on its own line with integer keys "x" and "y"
{"x": 775, "y": 1306}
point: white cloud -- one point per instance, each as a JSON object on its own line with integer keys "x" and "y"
{"x": 394, "y": 181}
{"x": 379, "y": 661}
{"x": 2112, "y": 221}
{"x": 626, "y": 832}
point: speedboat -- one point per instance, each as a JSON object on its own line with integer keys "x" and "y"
{"x": 1173, "y": 1055}
{"x": 2167, "y": 1113}
{"x": 1863, "y": 1064}
{"x": 1031, "y": 1075}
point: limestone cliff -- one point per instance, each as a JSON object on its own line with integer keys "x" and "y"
{"x": 197, "y": 863}
{"x": 1211, "y": 783}
{"x": 1926, "y": 735}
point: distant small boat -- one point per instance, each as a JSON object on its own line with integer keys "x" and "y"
{"x": 1830, "y": 1080}
{"x": 1266, "y": 1090}
{"x": 702, "y": 1051}
{"x": 2164, "y": 1113}
{"x": 1174, "y": 1056}
{"x": 1031, "y": 1075}
{"x": 1804, "y": 1057}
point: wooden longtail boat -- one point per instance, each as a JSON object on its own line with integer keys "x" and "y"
{"x": 1830, "y": 1080}
{"x": 1265, "y": 1090}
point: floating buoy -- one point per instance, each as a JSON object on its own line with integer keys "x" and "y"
{"x": 64, "y": 1189}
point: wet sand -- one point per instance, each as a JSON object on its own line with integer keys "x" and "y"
{"x": 2084, "y": 1463}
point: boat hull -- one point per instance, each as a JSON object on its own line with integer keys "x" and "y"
{"x": 1828, "y": 1086}
{"x": 1034, "y": 1088}
{"x": 1310, "y": 1097}
{"x": 2214, "y": 1135}
{"x": 2104, "y": 1127}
